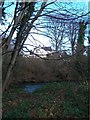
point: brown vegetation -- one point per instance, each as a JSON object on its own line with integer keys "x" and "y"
{"x": 39, "y": 70}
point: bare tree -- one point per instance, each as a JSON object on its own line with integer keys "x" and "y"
{"x": 20, "y": 40}
{"x": 64, "y": 24}
{"x": 56, "y": 31}
{"x": 23, "y": 22}
{"x": 72, "y": 33}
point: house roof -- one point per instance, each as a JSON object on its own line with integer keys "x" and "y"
{"x": 44, "y": 48}
{"x": 47, "y": 48}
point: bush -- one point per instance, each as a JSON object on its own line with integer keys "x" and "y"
{"x": 38, "y": 70}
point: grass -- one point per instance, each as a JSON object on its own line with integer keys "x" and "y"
{"x": 54, "y": 100}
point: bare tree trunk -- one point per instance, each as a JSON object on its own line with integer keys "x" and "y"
{"x": 72, "y": 47}
{"x": 5, "y": 46}
{"x": 16, "y": 21}
{"x": 7, "y": 80}
{"x": 56, "y": 46}
{"x": 0, "y": 80}
{"x": 17, "y": 46}
{"x": 89, "y": 60}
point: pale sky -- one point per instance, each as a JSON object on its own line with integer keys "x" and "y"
{"x": 44, "y": 40}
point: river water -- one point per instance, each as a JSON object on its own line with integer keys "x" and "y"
{"x": 33, "y": 88}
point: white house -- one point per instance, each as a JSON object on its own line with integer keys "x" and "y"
{"x": 42, "y": 51}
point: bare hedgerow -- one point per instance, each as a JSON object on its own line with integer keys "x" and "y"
{"x": 38, "y": 70}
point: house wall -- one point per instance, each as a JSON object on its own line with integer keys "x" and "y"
{"x": 42, "y": 53}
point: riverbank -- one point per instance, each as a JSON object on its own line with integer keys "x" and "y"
{"x": 53, "y": 100}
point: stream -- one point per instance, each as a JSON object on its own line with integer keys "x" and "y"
{"x": 33, "y": 88}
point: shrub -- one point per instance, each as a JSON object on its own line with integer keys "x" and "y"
{"x": 38, "y": 70}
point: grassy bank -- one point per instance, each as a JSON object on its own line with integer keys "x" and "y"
{"x": 54, "y": 100}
